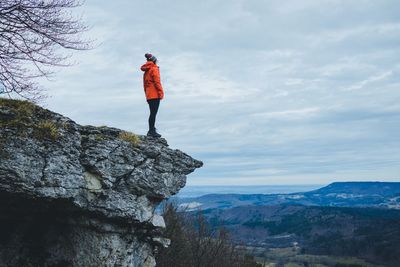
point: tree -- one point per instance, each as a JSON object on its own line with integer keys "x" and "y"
{"x": 194, "y": 244}
{"x": 33, "y": 36}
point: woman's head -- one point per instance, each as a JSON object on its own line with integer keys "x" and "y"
{"x": 150, "y": 57}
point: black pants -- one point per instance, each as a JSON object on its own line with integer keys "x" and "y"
{"x": 153, "y": 105}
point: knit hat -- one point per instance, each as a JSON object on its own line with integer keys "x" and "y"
{"x": 150, "y": 57}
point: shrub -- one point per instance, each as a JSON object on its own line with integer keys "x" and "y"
{"x": 47, "y": 130}
{"x": 193, "y": 244}
{"x": 99, "y": 137}
{"x": 131, "y": 138}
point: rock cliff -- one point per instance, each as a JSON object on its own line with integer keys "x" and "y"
{"x": 75, "y": 195}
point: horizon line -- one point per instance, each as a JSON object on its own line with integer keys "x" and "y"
{"x": 350, "y": 181}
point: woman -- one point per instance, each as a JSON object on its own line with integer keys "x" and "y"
{"x": 153, "y": 90}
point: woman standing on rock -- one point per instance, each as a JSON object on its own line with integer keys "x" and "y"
{"x": 153, "y": 90}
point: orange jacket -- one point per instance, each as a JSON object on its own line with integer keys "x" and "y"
{"x": 151, "y": 81}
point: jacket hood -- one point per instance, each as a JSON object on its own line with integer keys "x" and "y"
{"x": 148, "y": 65}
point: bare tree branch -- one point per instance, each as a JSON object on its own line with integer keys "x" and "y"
{"x": 33, "y": 34}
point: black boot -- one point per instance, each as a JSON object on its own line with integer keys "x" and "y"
{"x": 153, "y": 133}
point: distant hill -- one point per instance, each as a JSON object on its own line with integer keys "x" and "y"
{"x": 339, "y": 194}
{"x": 361, "y": 188}
{"x": 355, "y": 219}
{"x": 315, "y": 230}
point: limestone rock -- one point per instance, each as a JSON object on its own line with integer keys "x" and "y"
{"x": 75, "y": 195}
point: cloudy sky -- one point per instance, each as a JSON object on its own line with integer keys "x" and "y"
{"x": 264, "y": 92}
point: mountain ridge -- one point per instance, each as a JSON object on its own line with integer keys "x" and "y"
{"x": 353, "y": 194}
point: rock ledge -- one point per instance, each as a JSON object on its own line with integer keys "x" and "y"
{"x": 75, "y": 195}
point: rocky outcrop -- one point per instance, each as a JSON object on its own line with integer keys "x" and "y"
{"x": 75, "y": 195}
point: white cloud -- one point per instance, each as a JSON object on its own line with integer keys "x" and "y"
{"x": 370, "y": 80}
{"x": 289, "y": 114}
{"x": 186, "y": 79}
{"x": 362, "y": 31}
